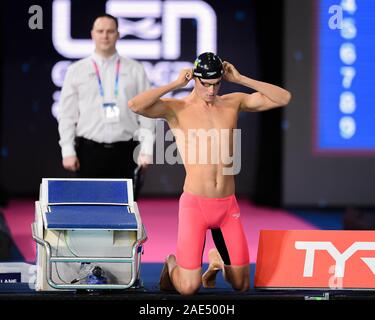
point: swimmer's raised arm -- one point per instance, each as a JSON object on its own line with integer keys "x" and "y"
{"x": 150, "y": 104}
{"x": 268, "y": 96}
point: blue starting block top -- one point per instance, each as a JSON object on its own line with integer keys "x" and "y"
{"x": 110, "y": 217}
{"x": 88, "y": 204}
{"x": 86, "y": 191}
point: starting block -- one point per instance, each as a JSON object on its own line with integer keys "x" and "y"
{"x": 86, "y": 224}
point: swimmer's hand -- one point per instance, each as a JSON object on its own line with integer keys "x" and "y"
{"x": 184, "y": 77}
{"x": 230, "y": 72}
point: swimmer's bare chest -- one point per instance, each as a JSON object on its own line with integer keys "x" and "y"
{"x": 205, "y": 142}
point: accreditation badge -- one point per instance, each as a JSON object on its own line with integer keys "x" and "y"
{"x": 111, "y": 112}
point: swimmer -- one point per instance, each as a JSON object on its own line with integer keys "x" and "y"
{"x": 208, "y": 200}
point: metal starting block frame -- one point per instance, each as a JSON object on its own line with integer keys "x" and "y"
{"x": 100, "y": 219}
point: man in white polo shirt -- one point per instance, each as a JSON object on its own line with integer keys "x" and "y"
{"x": 96, "y": 126}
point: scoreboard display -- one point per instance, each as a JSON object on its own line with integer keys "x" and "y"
{"x": 345, "y": 113}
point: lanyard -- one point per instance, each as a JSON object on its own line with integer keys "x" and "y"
{"x": 101, "y": 89}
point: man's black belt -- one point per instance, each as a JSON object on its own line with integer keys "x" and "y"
{"x": 87, "y": 142}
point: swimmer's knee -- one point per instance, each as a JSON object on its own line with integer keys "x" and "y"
{"x": 241, "y": 286}
{"x": 239, "y": 279}
{"x": 189, "y": 287}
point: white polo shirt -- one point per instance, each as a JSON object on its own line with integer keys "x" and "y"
{"x": 80, "y": 106}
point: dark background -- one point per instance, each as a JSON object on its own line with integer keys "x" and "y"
{"x": 272, "y": 41}
{"x": 29, "y": 137}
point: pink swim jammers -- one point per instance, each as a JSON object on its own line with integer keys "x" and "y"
{"x": 222, "y": 216}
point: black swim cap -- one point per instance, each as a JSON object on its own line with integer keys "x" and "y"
{"x": 208, "y": 66}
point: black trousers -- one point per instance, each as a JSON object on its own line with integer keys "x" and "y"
{"x": 103, "y": 160}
